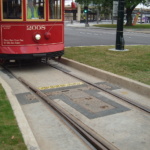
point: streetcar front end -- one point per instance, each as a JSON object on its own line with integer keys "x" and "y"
{"x": 27, "y": 33}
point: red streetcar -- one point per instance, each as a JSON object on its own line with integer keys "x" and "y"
{"x": 31, "y": 29}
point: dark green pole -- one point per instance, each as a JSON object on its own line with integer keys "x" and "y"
{"x": 119, "y": 36}
{"x": 86, "y": 20}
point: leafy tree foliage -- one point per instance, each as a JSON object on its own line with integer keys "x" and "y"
{"x": 129, "y": 4}
{"x": 84, "y": 2}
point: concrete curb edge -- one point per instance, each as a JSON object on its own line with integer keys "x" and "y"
{"x": 124, "y": 82}
{"x": 25, "y": 129}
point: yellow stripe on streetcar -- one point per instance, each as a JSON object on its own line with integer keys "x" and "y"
{"x": 61, "y": 85}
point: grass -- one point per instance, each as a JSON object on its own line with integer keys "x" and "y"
{"x": 10, "y": 135}
{"x": 138, "y": 26}
{"x": 134, "y": 64}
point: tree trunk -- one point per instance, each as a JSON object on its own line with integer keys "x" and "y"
{"x": 129, "y": 17}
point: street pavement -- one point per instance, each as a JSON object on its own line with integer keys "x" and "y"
{"x": 91, "y": 25}
{"x": 76, "y": 34}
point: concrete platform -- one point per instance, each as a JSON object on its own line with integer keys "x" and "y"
{"x": 40, "y": 126}
{"x": 121, "y": 124}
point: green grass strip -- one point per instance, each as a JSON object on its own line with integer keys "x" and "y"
{"x": 10, "y": 135}
{"x": 137, "y": 26}
{"x": 134, "y": 64}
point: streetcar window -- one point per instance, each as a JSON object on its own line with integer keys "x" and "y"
{"x": 55, "y": 9}
{"x": 35, "y": 9}
{"x": 12, "y": 9}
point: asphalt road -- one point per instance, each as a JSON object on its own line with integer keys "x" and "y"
{"x": 79, "y": 36}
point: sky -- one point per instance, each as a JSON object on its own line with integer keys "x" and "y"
{"x": 68, "y": 2}
{"x": 142, "y": 6}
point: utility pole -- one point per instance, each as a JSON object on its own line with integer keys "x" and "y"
{"x": 120, "y": 21}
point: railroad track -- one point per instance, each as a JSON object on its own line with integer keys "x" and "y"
{"x": 92, "y": 137}
{"x": 95, "y": 140}
{"x": 142, "y": 107}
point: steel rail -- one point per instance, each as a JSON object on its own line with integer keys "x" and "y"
{"x": 92, "y": 137}
{"x": 144, "y": 108}
{"x": 96, "y": 140}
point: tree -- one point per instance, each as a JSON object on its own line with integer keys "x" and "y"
{"x": 84, "y": 2}
{"x": 129, "y": 4}
{"x": 104, "y": 6}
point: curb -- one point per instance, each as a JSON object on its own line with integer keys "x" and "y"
{"x": 24, "y": 127}
{"x": 124, "y": 82}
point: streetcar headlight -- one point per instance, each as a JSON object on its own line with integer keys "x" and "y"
{"x": 37, "y": 37}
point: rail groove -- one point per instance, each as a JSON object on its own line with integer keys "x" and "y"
{"x": 96, "y": 140}
{"x": 144, "y": 108}
{"x": 92, "y": 137}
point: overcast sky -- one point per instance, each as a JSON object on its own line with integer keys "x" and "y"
{"x": 68, "y": 2}
{"x": 142, "y": 6}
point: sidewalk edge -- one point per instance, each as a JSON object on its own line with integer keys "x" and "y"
{"x": 25, "y": 129}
